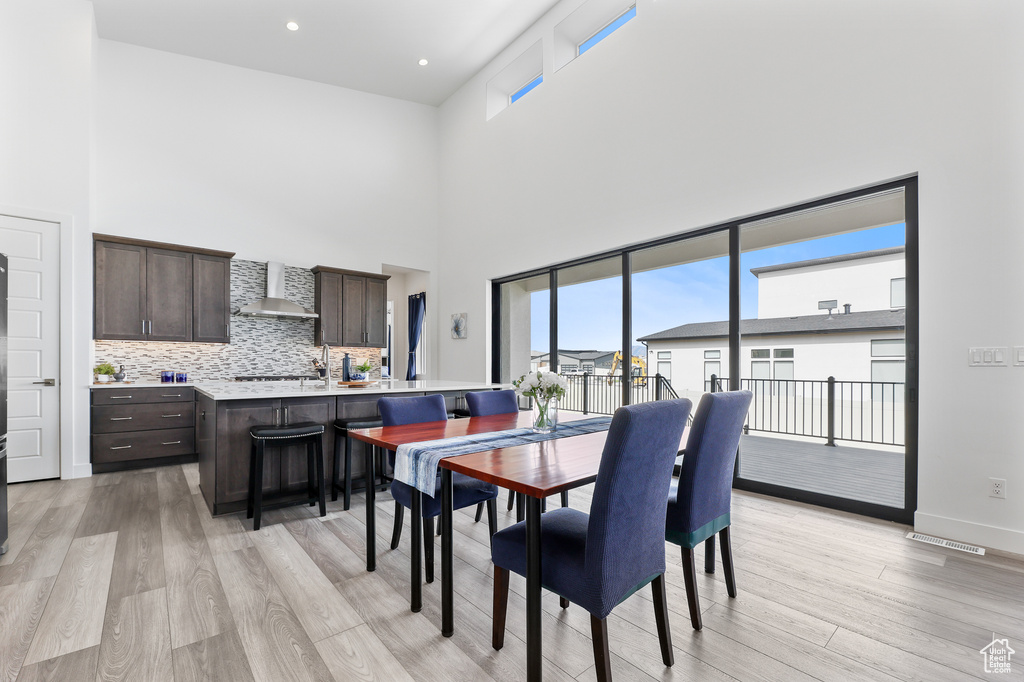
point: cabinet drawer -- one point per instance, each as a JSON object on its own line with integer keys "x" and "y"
{"x": 120, "y": 447}
{"x": 121, "y": 418}
{"x": 133, "y": 395}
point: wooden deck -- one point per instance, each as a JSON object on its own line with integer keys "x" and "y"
{"x": 856, "y": 473}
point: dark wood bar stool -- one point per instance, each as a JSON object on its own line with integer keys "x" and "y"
{"x": 342, "y": 481}
{"x": 279, "y": 437}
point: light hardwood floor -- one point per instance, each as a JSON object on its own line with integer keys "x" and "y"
{"x": 127, "y": 577}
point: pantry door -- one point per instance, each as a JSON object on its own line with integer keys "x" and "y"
{"x": 33, "y": 329}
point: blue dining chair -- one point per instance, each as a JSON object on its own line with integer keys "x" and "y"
{"x": 699, "y": 502}
{"x": 487, "y": 403}
{"x": 466, "y": 491}
{"x": 599, "y": 559}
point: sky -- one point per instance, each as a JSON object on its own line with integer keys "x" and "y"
{"x": 589, "y": 314}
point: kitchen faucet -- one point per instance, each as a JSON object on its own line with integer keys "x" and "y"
{"x": 325, "y": 360}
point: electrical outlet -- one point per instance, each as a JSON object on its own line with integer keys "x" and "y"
{"x": 998, "y": 488}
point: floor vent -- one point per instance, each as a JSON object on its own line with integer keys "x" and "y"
{"x": 970, "y": 549}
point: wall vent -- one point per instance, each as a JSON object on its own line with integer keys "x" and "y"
{"x": 971, "y": 549}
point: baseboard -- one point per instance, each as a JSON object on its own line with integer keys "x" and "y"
{"x": 992, "y": 537}
{"x": 80, "y": 471}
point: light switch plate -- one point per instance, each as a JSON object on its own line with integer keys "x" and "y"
{"x": 992, "y": 356}
{"x": 1018, "y": 356}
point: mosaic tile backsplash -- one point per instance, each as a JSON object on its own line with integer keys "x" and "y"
{"x": 258, "y": 345}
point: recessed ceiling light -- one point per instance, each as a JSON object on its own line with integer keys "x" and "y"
{"x": 292, "y": 26}
{"x": 423, "y": 62}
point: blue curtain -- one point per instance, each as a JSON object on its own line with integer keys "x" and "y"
{"x": 417, "y": 309}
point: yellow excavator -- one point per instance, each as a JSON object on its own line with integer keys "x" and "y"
{"x": 638, "y": 368}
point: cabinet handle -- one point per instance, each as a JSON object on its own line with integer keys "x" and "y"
{"x": 170, "y": 395}
{"x": 143, "y": 327}
{"x": 120, "y": 397}
{"x": 286, "y": 416}
{"x": 173, "y": 442}
{"x": 167, "y": 416}
{"x": 121, "y": 447}
{"x": 120, "y": 419}
{"x": 277, "y": 416}
{"x": 151, "y": 326}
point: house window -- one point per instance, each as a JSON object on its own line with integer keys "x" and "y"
{"x": 784, "y": 370}
{"x": 712, "y": 368}
{"x": 525, "y": 89}
{"x": 888, "y": 348}
{"x": 898, "y": 292}
{"x": 758, "y": 353}
{"x": 667, "y": 355}
{"x": 665, "y": 369}
{"x": 606, "y": 31}
{"x": 712, "y": 355}
{"x": 783, "y": 353}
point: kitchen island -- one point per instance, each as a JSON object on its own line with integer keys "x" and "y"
{"x": 226, "y": 410}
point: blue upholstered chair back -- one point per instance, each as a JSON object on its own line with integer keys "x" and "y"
{"x": 626, "y": 533}
{"x": 415, "y": 410}
{"x": 484, "y": 403}
{"x": 705, "y": 483}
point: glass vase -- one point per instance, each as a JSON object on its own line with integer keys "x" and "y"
{"x": 545, "y": 415}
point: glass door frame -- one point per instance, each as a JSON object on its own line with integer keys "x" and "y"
{"x": 909, "y": 185}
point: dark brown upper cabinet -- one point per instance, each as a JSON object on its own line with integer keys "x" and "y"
{"x": 149, "y": 291}
{"x": 211, "y": 299}
{"x": 352, "y": 307}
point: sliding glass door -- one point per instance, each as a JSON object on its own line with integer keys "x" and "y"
{"x": 812, "y": 308}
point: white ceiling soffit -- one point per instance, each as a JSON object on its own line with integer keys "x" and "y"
{"x": 373, "y": 46}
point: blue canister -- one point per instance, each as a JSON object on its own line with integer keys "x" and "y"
{"x": 181, "y": 377}
{"x": 166, "y": 377}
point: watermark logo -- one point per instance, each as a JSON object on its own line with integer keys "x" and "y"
{"x": 997, "y": 655}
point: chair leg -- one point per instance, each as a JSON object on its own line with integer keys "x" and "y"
{"x": 492, "y": 517}
{"x": 565, "y": 498}
{"x": 428, "y": 548}
{"x": 348, "y": 471}
{"x": 511, "y": 500}
{"x": 602, "y": 659}
{"x": 661, "y": 618}
{"x": 252, "y": 481}
{"x": 337, "y": 467}
{"x": 479, "y": 512}
{"x": 439, "y": 527}
{"x": 500, "y": 607}
{"x": 396, "y": 534}
{"x": 310, "y": 469}
{"x": 690, "y": 578}
{"x": 709, "y": 555}
{"x": 321, "y": 490}
{"x": 257, "y": 482}
{"x": 520, "y": 507}
{"x": 730, "y": 577}
{"x": 563, "y": 602}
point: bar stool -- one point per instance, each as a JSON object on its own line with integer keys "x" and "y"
{"x": 279, "y": 437}
{"x": 341, "y": 427}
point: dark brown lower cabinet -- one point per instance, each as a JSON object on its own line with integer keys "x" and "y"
{"x": 224, "y": 445}
{"x": 138, "y": 426}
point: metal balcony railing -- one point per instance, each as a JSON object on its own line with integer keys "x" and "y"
{"x": 857, "y": 411}
{"x": 602, "y": 394}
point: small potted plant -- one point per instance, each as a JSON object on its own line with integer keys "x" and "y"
{"x": 104, "y": 372}
{"x": 361, "y": 372}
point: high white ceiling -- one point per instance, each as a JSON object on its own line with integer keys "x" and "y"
{"x": 372, "y": 45}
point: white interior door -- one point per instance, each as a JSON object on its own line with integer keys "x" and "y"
{"x": 33, "y": 330}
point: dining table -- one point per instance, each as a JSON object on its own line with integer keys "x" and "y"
{"x": 533, "y": 471}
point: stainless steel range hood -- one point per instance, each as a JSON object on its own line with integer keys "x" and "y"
{"x": 275, "y": 304}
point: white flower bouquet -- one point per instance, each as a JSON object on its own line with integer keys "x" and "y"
{"x": 546, "y": 388}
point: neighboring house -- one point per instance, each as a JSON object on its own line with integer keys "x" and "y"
{"x": 575, "y": 361}
{"x": 798, "y": 341}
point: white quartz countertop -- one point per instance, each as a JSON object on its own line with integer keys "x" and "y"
{"x": 241, "y": 390}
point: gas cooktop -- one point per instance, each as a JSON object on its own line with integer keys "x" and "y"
{"x": 269, "y": 377}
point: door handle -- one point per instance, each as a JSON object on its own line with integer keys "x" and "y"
{"x": 46, "y": 382}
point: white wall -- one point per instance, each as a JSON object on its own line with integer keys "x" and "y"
{"x": 46, "y": 49}
{"x": 199, "y": 153}
{"x": 863, "y": 283}
{"x": 697, "y": 112}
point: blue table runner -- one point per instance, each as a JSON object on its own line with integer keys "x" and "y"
{"x": 416, "y": 463}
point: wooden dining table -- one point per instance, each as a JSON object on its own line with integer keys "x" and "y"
{"x": 534, "y": 471}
